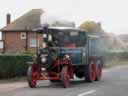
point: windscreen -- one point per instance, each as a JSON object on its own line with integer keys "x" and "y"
{"x": 68, "y": 38}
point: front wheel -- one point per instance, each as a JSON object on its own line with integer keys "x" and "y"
{"x": 65, "y": 77}
{"x": 31, "y": 78}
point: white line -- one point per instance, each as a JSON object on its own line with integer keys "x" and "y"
{"x": 105, "y": 71}
{"x": 86, "y": 93}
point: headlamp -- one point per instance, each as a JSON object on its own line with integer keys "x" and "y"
{"x": 67, "y": 56}
{"x": 44, "y": 45}
{"x": 34, "y": 57}
{"x": 43, "y": 59}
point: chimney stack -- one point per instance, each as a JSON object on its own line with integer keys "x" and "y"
{"x": 8, "y": 18}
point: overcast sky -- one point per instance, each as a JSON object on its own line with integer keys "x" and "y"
{"x": 112, "y": 14}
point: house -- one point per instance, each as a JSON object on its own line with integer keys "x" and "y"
{"x": 18, "y": 36}
{"x": 124, "y": 38}
{"x": 114, "y": 41}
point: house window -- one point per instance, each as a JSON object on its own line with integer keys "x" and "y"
{"x": 1, "y": 44}
{"x": 34, "y": 42}
{"x": 23, "y": 35}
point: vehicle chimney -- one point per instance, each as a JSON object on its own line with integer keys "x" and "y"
{"x": 8, "y": 18}
{"x": 99, "y": 24}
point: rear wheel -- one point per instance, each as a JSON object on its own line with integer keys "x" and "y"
{"x": 65, "y": 77}
{"x": 90, "y": 73}
{"x": 31, "y": 77}
{"x": 98, "y": 70}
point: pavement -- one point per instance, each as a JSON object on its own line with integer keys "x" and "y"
{"x": 114, "y": 83}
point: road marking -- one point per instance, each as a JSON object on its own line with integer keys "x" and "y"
{"x": 105, "y": 71}
{"x": 86, "y": 93}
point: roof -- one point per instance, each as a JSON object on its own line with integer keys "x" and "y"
{"x": 28, "y": 21}
{"x": 33, "y": 20}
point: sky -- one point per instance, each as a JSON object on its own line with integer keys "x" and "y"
{"x": 111, "y": 13}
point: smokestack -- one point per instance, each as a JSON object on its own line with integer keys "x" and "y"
{"x": 99, "y": 24}
{"x": 8, "y": 18}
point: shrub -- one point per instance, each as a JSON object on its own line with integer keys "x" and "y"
{"x": 13, "y": 65}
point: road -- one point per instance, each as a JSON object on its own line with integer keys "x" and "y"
{"x": 113, "y": 83}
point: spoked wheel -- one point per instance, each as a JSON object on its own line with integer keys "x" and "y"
{"x": 65, "y": 77}
{"x": 98, "y": 70}
{"x": 31, "y": 78}
{"x": 90, "y": 74}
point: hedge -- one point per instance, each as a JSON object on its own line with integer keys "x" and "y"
{"x": 13, "y": 65}
{"x": 109, "y": 56}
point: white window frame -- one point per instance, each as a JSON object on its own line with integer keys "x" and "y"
{"x": 1, "y": 44}
{"x": 23, "y": 35}
{"x": 34, "y": 42}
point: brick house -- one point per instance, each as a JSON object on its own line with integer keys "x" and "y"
{"x": 18, "y": 36}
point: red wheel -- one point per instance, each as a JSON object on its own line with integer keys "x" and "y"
{"x": 93, "y": 75}
{"x": 31, "y": 78}
{"x": 98, "y": 70}
{"x": 90, "y": 74}
{"x": 65, "y": 77}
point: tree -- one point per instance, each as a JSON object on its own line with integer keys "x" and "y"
{"x": 91, "y": 26}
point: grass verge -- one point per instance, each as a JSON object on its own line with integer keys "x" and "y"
{"x": 116, "y": 62}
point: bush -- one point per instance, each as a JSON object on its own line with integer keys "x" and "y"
{"x": 112, "y": 57}
{"x": 13, "y": 65}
